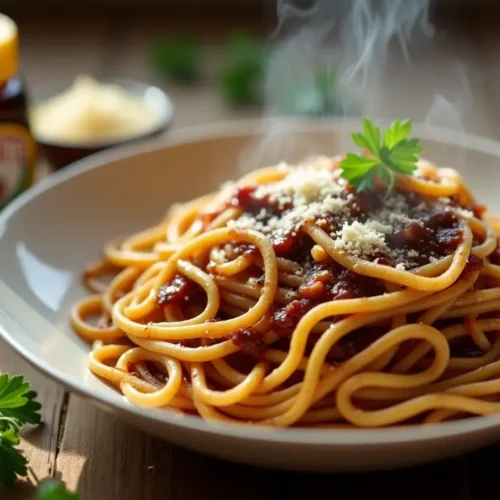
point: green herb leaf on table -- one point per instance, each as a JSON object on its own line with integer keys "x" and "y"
{"x": 50, "y": 489}
{"x": 12, "y": 462}
{"x": 388, "y": 154}
{"x": 17, "y": 408}
{"x": 17, "y": 401}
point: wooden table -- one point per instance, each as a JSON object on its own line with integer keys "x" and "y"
{"x": 106, "y": 459}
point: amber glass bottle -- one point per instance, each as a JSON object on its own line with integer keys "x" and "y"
{"x": 17, "y": 147}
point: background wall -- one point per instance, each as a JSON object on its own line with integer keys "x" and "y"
{"x": 68, "y": 4}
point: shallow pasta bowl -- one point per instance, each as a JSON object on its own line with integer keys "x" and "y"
{"x": 48, "y": 234}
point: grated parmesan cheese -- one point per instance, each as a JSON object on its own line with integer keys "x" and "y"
{"x": 301, "y": 186}
{"x": 311, "y": 191}
{"x": 466, "y": 214}
{"x": 359, "y": 239}
{"x": 395, "y": 211}
{"x": 378, "y": 226}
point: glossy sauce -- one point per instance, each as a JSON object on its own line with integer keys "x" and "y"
{"x": 435, "y": 232}
{"x": 179, "y": 290}
{"x": 250, "y": 341}
{"x": 323, "y": 283}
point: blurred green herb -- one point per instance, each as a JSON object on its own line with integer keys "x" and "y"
{"x": 177, "y": 58}
{"x": 317, "y": 94}
{"x": 18, "y": 407}
{"x": 50, "y": 489}
{"x": 241, "y": 77}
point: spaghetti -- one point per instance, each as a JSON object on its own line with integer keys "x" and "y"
{"x": 289, "y": 299}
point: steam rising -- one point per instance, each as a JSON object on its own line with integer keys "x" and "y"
{"x": 370, "y": 53}
{"x": 350, "y": 39}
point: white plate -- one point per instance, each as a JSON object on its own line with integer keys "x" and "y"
{"x": 52, "y": 231}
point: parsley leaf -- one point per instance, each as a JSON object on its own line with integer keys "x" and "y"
{"x": 17, "y": 401}
{"x": 388, "y": 155}
{"x": 17, "y": 408}
{"x": 397, "y": 132}
{"x": 12, "y": 462}
{"x": 50, "y": 489}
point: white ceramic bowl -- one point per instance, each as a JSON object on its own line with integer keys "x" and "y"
{"x": 49, "y": 234}
{"x": 62, "y": 153}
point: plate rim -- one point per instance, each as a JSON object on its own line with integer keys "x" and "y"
{"x": 284, "y": 436}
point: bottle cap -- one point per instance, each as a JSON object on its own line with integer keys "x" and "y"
{"x": 9, "y": 49}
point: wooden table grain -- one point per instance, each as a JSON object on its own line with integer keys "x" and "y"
{"x": 103, "y": 458}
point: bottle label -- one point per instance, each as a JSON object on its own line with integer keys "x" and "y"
{"x": 17, "y": 152}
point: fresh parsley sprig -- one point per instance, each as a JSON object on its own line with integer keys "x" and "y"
{"x": 387, "y": 155}
{"x": 17, "y": 400}
{"x": 18, "y": 407}
{"x": 12, "y": 462}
